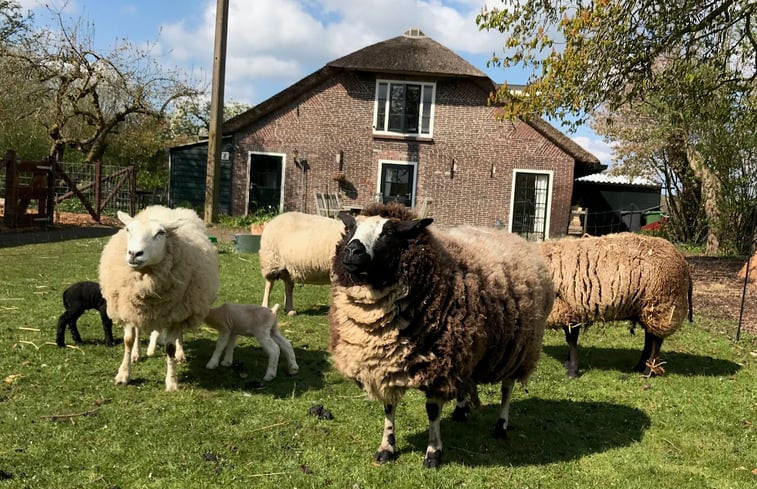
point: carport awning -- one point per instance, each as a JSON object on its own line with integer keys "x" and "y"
{"x": 605, "y": 179}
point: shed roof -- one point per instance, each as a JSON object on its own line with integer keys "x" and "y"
{"x": 607, "y": 179}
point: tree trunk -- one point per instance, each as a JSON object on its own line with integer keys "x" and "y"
{"x": 711, "y": 195}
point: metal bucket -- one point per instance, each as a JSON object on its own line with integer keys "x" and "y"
{"x": 247, "y": 243}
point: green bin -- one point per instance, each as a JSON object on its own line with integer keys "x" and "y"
{"x": 652, "y": 216}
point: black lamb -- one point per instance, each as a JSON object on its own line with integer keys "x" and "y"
{"x": 78, "y": 298}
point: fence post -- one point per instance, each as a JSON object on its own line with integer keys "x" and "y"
{"x": 11, "y": 190}
{"x": 98, "y": 189}
{"x": 132, "y": 190}
{"x": 51, "y": 190}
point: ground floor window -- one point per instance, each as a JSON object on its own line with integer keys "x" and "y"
{"x": 397, "y": 182}
{"x": 530, "y": 204}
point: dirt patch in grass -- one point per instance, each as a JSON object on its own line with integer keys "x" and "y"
{"x": 718, "y": 290}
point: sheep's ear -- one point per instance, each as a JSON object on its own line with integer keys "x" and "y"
{"x": 347, "y": 218}
{"x": 170, "y": 227}
{"x": 412, "y": 228}
{"x": 124, "y": 217}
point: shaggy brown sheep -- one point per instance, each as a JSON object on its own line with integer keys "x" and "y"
{"x": 616, "y": 277}
{"x": 434, "y": 311}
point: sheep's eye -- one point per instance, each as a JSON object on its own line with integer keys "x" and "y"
{"x": 162, "y": 232}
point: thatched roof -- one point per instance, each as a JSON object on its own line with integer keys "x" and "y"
{"x": 564, "y": 142}
{"x": 410, "y": 54}
{"x": 277, "y": 101}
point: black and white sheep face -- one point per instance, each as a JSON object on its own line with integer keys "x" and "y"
{"x": 146, "y": 241}
{"x": 360, "y": 249}
{"x": 375, "y": 245}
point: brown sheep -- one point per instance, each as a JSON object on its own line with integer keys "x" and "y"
{"x": 751, "y": 264}
{"x": 616, "y": 277}
{"x": 434, "y": 311}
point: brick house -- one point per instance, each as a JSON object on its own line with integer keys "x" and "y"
{"x": 405, "y": 119}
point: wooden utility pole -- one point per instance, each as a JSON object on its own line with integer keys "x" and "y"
{"x": 213, "y": 178}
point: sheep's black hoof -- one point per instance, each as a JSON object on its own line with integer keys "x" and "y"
{"x": 460, "y": 413}
{"x": 500, "y": 431}
{"x": 384, "y": 456}
{"x": 433, "y": 460}
{"x": 572, "y": 371}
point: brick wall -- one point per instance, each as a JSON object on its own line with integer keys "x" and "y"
{"x": 338, "y": 116}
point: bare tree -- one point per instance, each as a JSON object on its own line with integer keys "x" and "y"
{"x": 83, "y": 95}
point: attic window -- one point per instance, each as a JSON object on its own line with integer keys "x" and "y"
{"x": 414, "y": 32}
{"x": 404, "y": 108}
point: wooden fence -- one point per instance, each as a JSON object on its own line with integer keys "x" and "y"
{"x": 48, "y": 183}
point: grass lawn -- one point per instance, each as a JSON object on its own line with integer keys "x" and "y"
{"x": 64, "y": 424}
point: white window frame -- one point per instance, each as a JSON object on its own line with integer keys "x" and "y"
{"x": 548, "y": 211}
{"x": 424, "y": 86}
{"x": 381, "y": 164}
{"x": 249, "y": 177}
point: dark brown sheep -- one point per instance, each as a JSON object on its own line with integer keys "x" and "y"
{"x": 438, "y": 312}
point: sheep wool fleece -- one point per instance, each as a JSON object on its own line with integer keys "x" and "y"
{"x": 300, "y": 245}
{"x": 465, "y": 305}
{"x": 619, "y": 276}
{"x": 175, "y": 293}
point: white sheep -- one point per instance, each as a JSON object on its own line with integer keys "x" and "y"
{"x": 160, "y": 272}
{"x": 232, "y": 320}
{"x": 297, "y": 248}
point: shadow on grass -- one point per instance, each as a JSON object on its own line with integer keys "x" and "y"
{"x": 317, "y": 310}
{"x": 249, "y": 366}
{"x": 624, "y": 359}
{"x": 25, "y": 237}
{"x": 541, "y": 432}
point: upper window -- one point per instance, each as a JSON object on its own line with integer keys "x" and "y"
{"x": 404, "y": 108}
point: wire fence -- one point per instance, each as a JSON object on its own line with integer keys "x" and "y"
{"x": 619, "y": 220}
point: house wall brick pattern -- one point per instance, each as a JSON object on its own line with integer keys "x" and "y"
{"x": 338, "y": 116}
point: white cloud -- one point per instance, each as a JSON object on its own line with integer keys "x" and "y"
{"x": 598, "y": 147}
{"x": 284, "y": 40}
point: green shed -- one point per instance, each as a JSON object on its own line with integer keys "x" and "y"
{"x": 616, "y": 203}
{"x": 187, "y": 169}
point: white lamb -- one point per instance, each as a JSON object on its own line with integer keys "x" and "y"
{"x": 160, "y": 272}
{"x": 297, "y": 247}
{"x": 232, "y": 320}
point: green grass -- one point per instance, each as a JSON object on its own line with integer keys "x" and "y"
{"x": 695, "y": 427}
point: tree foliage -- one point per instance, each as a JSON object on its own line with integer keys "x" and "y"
{"x": 190, "y": 121}
{"x": 13, "y": 21}
{"x": 702, "y": 148}
{"x": 672, "y": 82}
{"x": 582, "y": 54}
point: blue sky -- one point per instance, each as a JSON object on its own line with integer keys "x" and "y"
{"x": 274, "y": 43}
